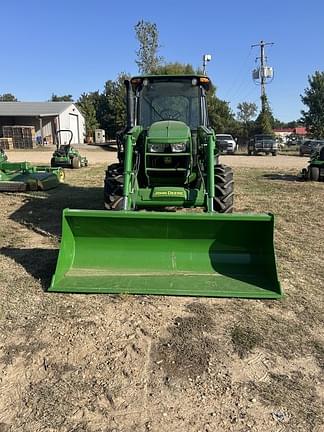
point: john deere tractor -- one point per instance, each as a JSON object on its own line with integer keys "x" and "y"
{"x": 315, "y": 169}
{"x": 65, "y": 155}
{"x": 168, "y": 159}
{"x": 170, "y": 156}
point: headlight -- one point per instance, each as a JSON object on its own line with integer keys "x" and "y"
{"x": 178, "y": 147}
{"x": 156, "y": 148}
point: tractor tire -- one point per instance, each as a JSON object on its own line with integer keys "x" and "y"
{"x": 113, "y": 187}
{"x": 249, "y": 153}
{"x": 314, "y": 173}
{"x": 274, "y": 153}
{"x": 224, "y": 189}
{"x": 53, "y": 164}
{"x": 76, "y": 163}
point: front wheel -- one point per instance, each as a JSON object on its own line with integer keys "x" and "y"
{"x": 113, "y": 187}
{"x": 76, "y": 163}
{"x": 314, "y": 173}
{"x": 224, "y": 189}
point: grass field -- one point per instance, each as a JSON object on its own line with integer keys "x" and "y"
{"x": 138, "y": 363}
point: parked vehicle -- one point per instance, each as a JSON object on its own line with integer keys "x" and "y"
{"x": 263, "y": 143}
{"x": 315, "y": 169}
{"x": 226, "y": 143}
{"x": 308, "y": 146}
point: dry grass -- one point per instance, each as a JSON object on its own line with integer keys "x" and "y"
{"x": 135, "y": 363}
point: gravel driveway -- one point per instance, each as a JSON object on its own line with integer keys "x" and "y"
{"x": 103, "y": 155}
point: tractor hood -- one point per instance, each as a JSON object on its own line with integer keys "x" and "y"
{"x": 169, "y": 130}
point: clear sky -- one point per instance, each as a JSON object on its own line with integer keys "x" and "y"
{"x": 74, "y": 46}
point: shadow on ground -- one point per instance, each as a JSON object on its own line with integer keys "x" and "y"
{"x": 283, "y": 177}
{"x": 42, "y": 212}
{"x": 39, "y": 263}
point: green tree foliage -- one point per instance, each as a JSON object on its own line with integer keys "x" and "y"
{"x": 63, "y": 98}
{"x": 174, "y": 69}
{"x": 265, "y": 121}
{"x": 246, "y": 111}
{"x": 8, "y": 97}
{"x": 111, "y": 109}
{"x": 147, "y": 56}
{"x": 87, "y": 103}
{"x": 313, "y": 98}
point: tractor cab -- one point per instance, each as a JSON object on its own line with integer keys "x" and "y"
{"x": 168, "y": 110}
{"x": 169, "y": 98}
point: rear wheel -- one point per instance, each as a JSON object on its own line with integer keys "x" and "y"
{"x": 314, "y": 173}
{"x": 113, "y": 187}
{"x": 76, "y": 163}
{"x": 274, "y": 153}
{"x": 224, "y": 189}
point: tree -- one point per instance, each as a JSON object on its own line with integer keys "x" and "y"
{"x": 64, "y": 98}
{"x": 265, "y": 121}
{"x": 147, "y": 56}
{"x": 87, "y": 105}
{"x": 8, "y": 97}
{"x": 111, "y": 109}
{"x": 313, "y": 98}
{"x": 174, "y": 69}
{"x": 246, "y": 111}
{"x": 245, "y": 114}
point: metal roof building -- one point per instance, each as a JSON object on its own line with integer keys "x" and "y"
{"x": 46, "y": 117}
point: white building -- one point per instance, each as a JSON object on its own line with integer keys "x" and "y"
{"x": 46, "y": 117}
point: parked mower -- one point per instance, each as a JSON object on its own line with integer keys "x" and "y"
{"x": 65, "y": 155}
{"x": 168, "y": 159}
{"x": 22, "y": 176}
{"x": 315, "y": 169}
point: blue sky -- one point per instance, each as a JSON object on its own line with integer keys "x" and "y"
{"x": 74, "y": 46}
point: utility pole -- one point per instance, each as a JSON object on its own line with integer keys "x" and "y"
{"x": 206, "y": 58}
{"x": 263, "y": 73}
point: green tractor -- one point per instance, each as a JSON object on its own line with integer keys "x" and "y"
{"x": 168, "y": 157}
{"x": 65, "y": 155}
{"x": 168, "y": 160}
{"x": 315, "y": 169}
{"x": 24, "y": 176}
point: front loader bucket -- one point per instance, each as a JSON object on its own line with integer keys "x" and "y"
{"x": 192, "y": 254}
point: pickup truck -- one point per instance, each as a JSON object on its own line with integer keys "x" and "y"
{"x": 263, "y": 143}
{"x": 226, "y": 143}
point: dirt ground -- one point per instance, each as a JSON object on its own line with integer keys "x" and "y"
{"x": 102, "y": 363}
{"x": 97, "y": 155}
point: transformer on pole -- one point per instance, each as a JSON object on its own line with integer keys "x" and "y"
{"x": 263, "y": 74}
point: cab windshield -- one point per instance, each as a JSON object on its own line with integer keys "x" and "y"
{"x": 169, "y": 100}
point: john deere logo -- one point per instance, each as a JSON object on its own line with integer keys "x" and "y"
{"x": 169, "y": 193}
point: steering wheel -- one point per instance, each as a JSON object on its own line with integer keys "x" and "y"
{"x": 169, "y": 114}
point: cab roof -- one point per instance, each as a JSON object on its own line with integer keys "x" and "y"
{"x": 202, "y": 79}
